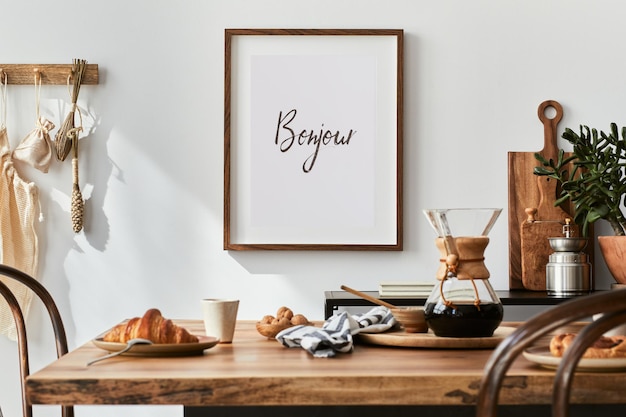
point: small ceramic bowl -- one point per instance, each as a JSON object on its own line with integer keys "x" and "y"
{"x": 411, "y": 319}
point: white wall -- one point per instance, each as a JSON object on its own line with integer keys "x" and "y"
{"x": 475, "y": 72}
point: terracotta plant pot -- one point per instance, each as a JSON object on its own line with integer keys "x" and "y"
{"x": 614, "y": 252}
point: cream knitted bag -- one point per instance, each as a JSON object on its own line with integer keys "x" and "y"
{"x": 19, "y": 203}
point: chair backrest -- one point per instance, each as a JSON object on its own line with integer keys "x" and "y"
{"x": 22, "y": 341}
{"x": 612, "y": 305}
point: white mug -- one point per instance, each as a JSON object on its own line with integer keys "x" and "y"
{"x": 220, "y": 317}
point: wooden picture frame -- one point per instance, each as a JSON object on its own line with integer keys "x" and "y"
{"x": 313, "y": 139}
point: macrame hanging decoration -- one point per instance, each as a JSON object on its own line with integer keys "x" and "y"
{"x": 78, "y": 204}
{"x": 66, "y": 141}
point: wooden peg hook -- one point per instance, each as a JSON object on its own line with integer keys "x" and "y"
{"x": 37, "y": 75}
{"x": 57, "y": 74}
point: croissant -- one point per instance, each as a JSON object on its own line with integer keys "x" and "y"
{"x": 604, "y": 347}
{"x": 151, "y": 326}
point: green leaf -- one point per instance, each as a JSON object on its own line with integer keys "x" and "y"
{"x": 542, "y": 171}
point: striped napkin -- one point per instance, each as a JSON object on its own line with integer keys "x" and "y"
{"x": 336, "y": 333}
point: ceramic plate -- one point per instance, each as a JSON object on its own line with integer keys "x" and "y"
{"x": 542, "y": 356}
{"x": 172, "y": 349}
{"x": 429, "y": 340}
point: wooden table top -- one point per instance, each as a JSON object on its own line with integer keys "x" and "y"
{"x": 256, "y": 371}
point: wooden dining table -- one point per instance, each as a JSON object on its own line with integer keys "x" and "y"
{"x": 254, "y": 371}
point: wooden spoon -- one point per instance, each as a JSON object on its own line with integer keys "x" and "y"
{"x": 368, "y": 297}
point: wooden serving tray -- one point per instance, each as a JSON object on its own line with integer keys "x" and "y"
{"x": 400, "y": 338}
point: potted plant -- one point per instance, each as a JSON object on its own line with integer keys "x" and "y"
{"x": 593, "y": 178}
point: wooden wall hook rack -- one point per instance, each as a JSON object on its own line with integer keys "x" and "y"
{"x": 53, "y": 74}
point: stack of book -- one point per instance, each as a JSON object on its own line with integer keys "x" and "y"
{"x": 405, "y": 289}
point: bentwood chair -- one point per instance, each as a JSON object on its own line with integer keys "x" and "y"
{"x": 20, "y": 325}
{"x": 612, "y": 305}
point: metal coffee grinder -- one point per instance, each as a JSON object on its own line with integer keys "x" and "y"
{"x": 568, "y": 272}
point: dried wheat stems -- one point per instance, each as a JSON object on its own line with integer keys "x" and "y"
{"x": 62, "y": 140}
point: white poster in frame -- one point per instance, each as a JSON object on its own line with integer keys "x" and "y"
{"x": 313, "y": 139}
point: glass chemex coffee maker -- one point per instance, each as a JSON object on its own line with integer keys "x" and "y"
{"x": 463, "y": 302}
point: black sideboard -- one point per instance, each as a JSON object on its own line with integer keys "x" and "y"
{"x": 335, "y": 299}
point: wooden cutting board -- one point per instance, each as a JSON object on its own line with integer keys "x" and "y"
{"x": 536, "y": 250}
{"x": 529, "y": 191}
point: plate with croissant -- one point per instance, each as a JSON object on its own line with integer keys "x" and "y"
{"x": 167, "y": 338}
{"x": 605, "y": 354}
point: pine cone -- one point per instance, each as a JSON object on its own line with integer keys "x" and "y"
{"x": 78, "y": 208}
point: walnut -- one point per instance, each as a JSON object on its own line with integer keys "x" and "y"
{"x": 284, "y": 312}
{"x": 299, "y": 319}
{"x": 267, "y": 319}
